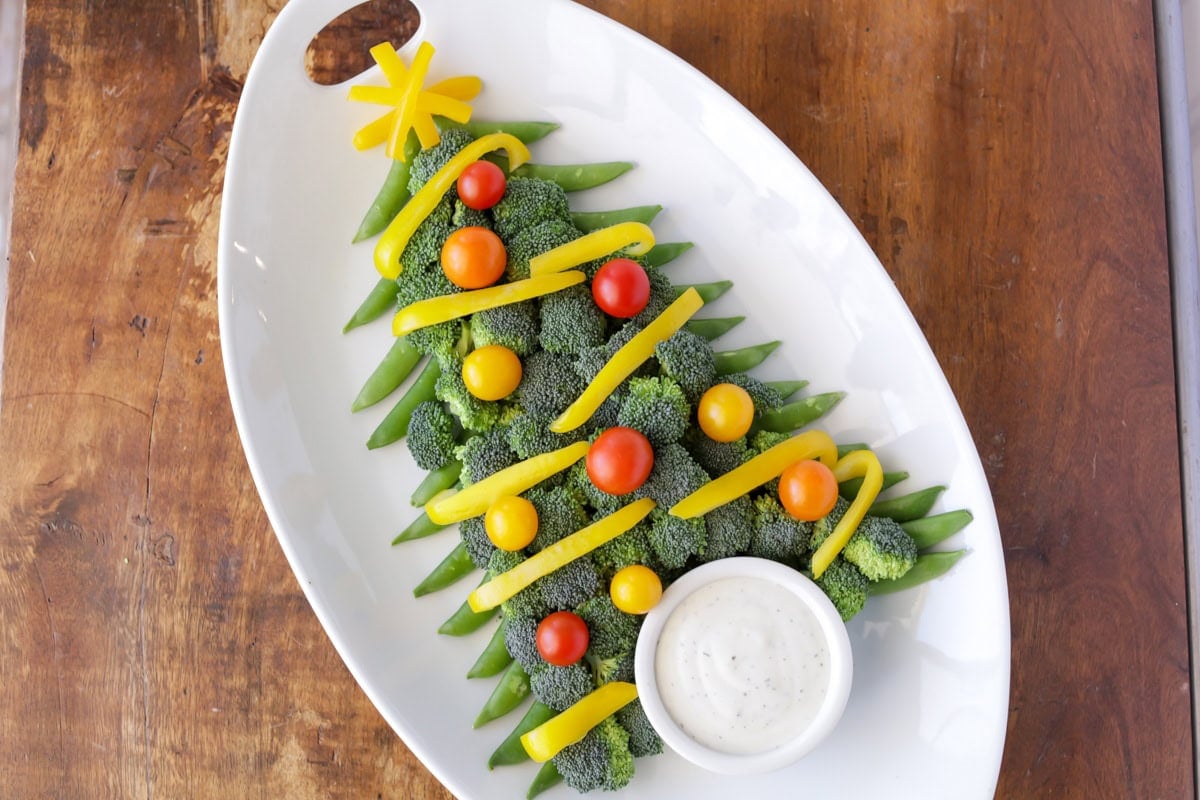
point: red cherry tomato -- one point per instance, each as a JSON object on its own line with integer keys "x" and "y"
{"x": 473, "y": 257}
{"x": 620, "y": 460}
{"x": 562, "y": 638}
{"x": 621, "y": 288}
{"x": 481, "y": 185}
{"x": 808, "y": 490}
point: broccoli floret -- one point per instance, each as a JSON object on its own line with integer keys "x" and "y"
{"x": 535, "y": 240}
{"x": 424, "y": 246}
{"x": 479, "y": 545}
{"x": 427, "y": 162}
{"x": 845, "y": 585}
{"x": 613, "y": 632}
{"x": 881, "y": 549}
{"x": 466, "y": 217}
{"x": 520, "y": 639}
{"x": 657, "y": 408}
{"x": 776, "y": 534}
{"x": 662, "y": 294}
{"x": 528, "y": 602}
{"x": 571, "y": 321}
{"x": 548, "y": 384}
{"x": 727, "y": 530}
{"x": 688, "y": 359}
{"x": 420, "y": 281}
{"x": 514, "y": 326}
{"x": 560, "y": 687}
{"x": 825, "y": 525}
{"x": 765, "y": 398}
{"x": 631, "y": 547}
{"x": 675, "y": 475}
{"x": 559, "y": 514}
{"x": 579, "y": 483}
{"x": 473, "y": 414}
{"x": 484, "y": 454}
{"x": 432, "y": 434}
{"x": 674, "y": 540}
{"x": 717, "y": 458}
{"x": 529, "y": 435}
{"x": 601, "y": 760}
{"x": 526, "y": 203}
{"x": 571, "y": 584}
{"x": 643, "y": 739}
{"x": 758, "y": 444}
{"x": 617, "y": 668}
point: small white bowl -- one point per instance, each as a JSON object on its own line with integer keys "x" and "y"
{"x": 831, "y": 627}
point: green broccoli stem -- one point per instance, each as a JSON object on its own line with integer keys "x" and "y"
{"x": 798, "y": 413}
{"x": 713, "y": 327}
{"x": 527, "y": 132}
{"x": 588, "y": 221}
{"x": 574, "y": 177}
{"x": 437, "y": 481}
{"x": 928, "y": 567}
{"x": 849, "y": 488}
{"x": 708, "y": 291}
{"x": 929, "y": 531}
{"x": 508, "y": 694}
{"x": 664, "y": 253}
{"x": 394, "y": 426}
{"x": 511, "y": 751}
{"x": 547, "y": 778}
{"x": 453, "y": 568}
{"x": 494, "y": 659}
{"x": 392, "y": 195}
{"x": 465, "y": 620}
{"x": 787, "y": 388}
{"x": 419, "y": 528}
{"x": 743, "y": 359}
{"x": 381, "y": 299}
{"x": 401, "y": 359}
{"x": 907, "y": 507}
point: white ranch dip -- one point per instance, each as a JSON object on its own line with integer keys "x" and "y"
{"x": 742, "y": 665}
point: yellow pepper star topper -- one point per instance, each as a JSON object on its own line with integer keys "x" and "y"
{"x": 413, "y": 106}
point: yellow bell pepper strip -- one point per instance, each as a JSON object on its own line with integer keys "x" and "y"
{"x": 546, "y": 740}
{"x": 394, "y": 238}
{"x": 542, "y": 563}
{"x": 450, "y": 507}
{"x": 858, "y": 464}
{"x": 463, "y": 87}
{"x": 635, "y": 236}
{"x": 757, "y": 471}
{"x": 626, "y": 360}
{"x": 452, "y": 306}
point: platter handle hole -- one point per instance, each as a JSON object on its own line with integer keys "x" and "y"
{"x": 341, "y": 50}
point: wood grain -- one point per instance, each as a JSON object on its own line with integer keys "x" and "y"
{"x": 1003, "y": 160}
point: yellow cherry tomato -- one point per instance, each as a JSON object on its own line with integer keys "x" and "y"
{"x": 725, "y": 412}
{"x": 492, "y": 372}
{"x": 635, "y": 589}
{"x": 511, "y": 522}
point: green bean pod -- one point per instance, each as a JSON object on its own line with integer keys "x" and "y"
{"x": 907, "y": 507}
{"x": 743, "y": 359}
{"x": 798, "y": 413}
{"x": 848, "y": 489}
{"x": 928, "y": 531}
{"x": 437, "y": 481}
{"x": 494, "y": 659}
{"x": 575, "y": 177}
{"x": 588, "y": 221}
{"x": 397, "y": 365}
{"x": 527, "y": 132}
{"x": 464, "y": 620}
{"x": 928, "y": 567}
{"x": 394, "y": 426}
{"x": 547, "y": 778}
{"x": 381, "y": 300}
{"x": 712, "y": 327}
{"x": 419, "y": 528}
{"x": 788, "y": 388}
{"x": 453, "y": 568}
{"x": 508, "y": 694}
{"x": 665, "y": 252}
{"x": 511, "y": 751}
{"x": 392, "y": 195}
{"x": 708, "y": 291}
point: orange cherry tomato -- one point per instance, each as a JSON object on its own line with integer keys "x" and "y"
{"x": 808, "y": 490}
{"x": 635, "y": 589}
{"x": 511, "y": 522}
{"x": 492, "y": 372}
{"x": 562, "y": 638}
{"x": 481, "y": 185}
{"x": 725, "y": 412}
{"x": 473, "y": 257}
{"x": 620, "y": 460}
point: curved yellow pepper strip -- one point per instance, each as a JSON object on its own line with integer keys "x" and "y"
{"x": 562, "y": 552}
{"x": 627, "y": 359}
{"x": 391, "y": 244}
{"x": 446, "y": 509}
{"x": 858, "y": 464}
{"x": 596, "y": 244}
{"x": 452, "y": 306}
{"x": 754, "y": 473}
{"x": 546, "y": 740}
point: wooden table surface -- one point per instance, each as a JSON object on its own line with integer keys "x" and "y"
{"x": 1003, "y": 160}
